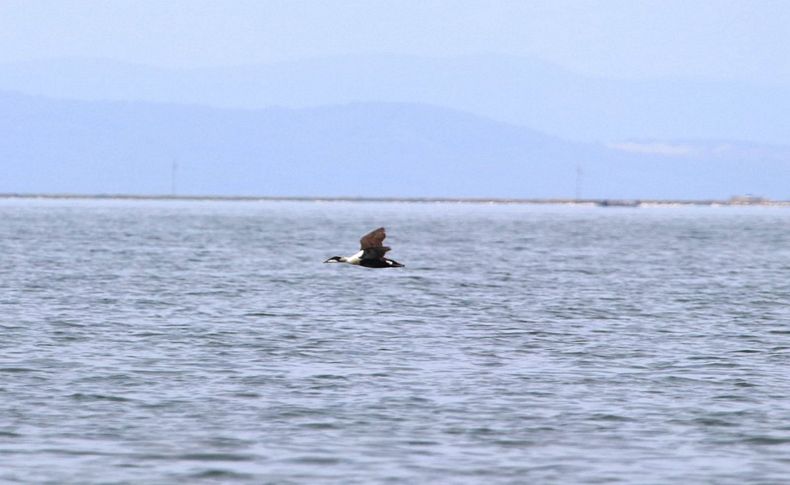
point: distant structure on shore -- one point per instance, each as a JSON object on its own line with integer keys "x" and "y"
{"x": 736, "y": 200}
{"x": 748, "y": 200}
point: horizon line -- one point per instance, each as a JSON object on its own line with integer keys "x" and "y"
{"x": 747, "y": 200}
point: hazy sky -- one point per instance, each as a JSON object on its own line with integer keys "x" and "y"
{"x": 713, "y": 39}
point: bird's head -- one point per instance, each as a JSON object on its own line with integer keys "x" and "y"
{"x": 336, "y": 259}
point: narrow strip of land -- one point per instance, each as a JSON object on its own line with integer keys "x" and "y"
{"x": 733, "y": 201}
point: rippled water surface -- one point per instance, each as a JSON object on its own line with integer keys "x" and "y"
{"x": 163, "y": 342}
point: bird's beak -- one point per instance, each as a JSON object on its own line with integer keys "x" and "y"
{"x": 330, "y": 260}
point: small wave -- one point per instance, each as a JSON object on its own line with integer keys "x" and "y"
{"x": 99, "y": 397}
{"x": 16, "y": 369}
{"x": 316, "y": 460}
{"x": 215, "y": 457}
{"x": 611, "y": 417}
{"x": 319, "y": 426}
{"x": 221, "y": 474}
{"x": 768, "y": 440}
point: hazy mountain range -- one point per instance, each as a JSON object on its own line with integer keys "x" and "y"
{"x": 352, "y": 149}
{"x": 516, "y": 90}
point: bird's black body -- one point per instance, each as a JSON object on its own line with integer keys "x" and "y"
{"x": 371, "y": 254}
{"x": 379, "y": 263}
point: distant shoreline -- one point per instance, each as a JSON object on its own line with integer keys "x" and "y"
{"x": 734, "y": 201}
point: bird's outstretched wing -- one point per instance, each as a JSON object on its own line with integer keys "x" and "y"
{"x": 375, "y": 253}
{"x": 373, "y": 239}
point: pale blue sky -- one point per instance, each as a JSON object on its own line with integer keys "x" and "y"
{"x": 746, "y": 40}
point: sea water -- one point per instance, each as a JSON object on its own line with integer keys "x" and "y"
{"x": 206, "y": 342}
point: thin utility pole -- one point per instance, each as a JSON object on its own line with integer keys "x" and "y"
{"x": 173, "y": 173}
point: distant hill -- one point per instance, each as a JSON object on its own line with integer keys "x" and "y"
{"x": 357, "y": 149}
{"x": 516, "y": 90}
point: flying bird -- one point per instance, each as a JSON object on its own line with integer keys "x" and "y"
{"x": 371, "y": 253}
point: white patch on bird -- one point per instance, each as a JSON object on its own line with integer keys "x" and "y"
{"x": 355, "y": 259}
